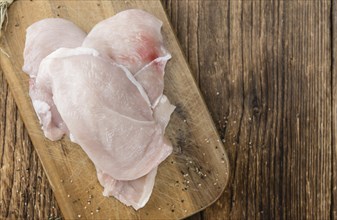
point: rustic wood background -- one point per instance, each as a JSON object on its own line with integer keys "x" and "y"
{"x": 267, "y": 71}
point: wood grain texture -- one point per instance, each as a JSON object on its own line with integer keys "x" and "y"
{"x": 270, "y": 61}
{"x": 276, "y": 109}
{"x": 282, "y": 56}
{"x": 189, "y": 180}
{"x": 25, "y": 192}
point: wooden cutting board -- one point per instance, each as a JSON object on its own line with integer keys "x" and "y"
{"x": 191, "y": 179}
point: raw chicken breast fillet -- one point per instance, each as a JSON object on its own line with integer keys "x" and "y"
{"x": 121, "y": 136}
{"x": 46, "y": 36}
{"x": 42, "y": 38}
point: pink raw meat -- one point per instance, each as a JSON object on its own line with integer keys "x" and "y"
{"x": 42, "y": 38}
{"x": 121, "y": 136}
{"x": 46, "y": 36}
{"x": 131, "y": 38}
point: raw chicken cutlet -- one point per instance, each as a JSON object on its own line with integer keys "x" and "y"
{"x": 117, "y": 98}
{"x": 121, "y": 136}
{"x": 131, "y": 38}
{"x": 42, "y": 38}
{"x": 46, "y": 36}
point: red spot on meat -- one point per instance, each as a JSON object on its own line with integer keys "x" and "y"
{"x": 147, "y": 48}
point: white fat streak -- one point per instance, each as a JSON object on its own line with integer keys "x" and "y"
{"x": 157, "y": 101}
{"x": 68, "y": 52}
{"x": 148, "y": 189}
{"x": 136, "y": 83}
{"x": 157, "y": 60}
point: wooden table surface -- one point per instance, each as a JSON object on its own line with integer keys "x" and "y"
{"x": 267, "y": 71}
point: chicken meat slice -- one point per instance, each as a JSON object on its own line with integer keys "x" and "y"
{"x": 106, "y": 111}
{"x": 136, "y": 193}
{"x": 46, "y": 36}
{"x": 42, "y": 38}
{"x": 131, "y": 38}
{"x": 151, "y": 77}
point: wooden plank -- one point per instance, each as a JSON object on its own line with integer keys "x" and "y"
{"x": 196, "y": 137}
{"x": 270, "y": 63}
{"x": 24, "y": 189}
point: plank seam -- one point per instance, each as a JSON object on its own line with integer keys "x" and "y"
{"x": 332, "y": 110}
{"x": 4, "y": 134}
